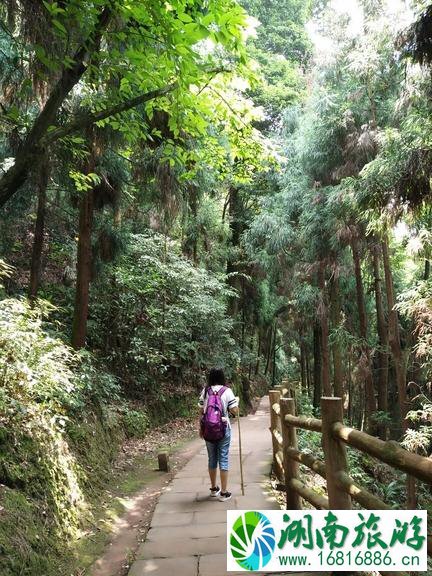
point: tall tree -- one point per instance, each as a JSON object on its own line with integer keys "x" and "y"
{"x": 383, "y": 356}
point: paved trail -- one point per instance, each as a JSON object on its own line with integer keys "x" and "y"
{"x": 187, "y": 536}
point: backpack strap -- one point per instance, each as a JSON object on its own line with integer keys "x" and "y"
{"x": 218, "y": 393}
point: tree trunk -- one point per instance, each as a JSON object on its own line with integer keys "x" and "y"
{"x": 308, "y": 372}
{"x": 236, "y": 230}
{"x": 243, "y": 319}
{"x": 399, "y": 362}
{"x": 370, "y": 404}
{"x": 303, "y": 367}
{"x": 394, "y": 337}
{"x": 252, "y": 342}
{"x": 164, "y": 296}
{"x": 112, "y": 339}
{"x": 190, "y": 247}
{"x": 84, "y": 264}
{"x": 271, "y": 333}
{"x": 274, "y": 357}
{"x": 38, "y": 240}
{"x": 335, "y": 310}
{"x": 416, "y": 365}
{"x": 257, "y": 365}
{"x": 350, "y": 390}
{"x": 383, "y": 359}
{"x": 84, "y": 256}
{"x": 317, "y": 365}
{"x": 323, "y": 315}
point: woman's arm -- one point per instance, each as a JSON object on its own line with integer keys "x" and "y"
{"x": 234, "y": 411}
{"x": 201, "y": 412}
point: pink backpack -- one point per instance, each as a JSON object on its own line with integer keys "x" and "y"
{"x": 212, "y": 426}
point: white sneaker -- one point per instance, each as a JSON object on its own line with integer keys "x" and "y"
{"x": 214, "y": 492}
{"x": 223, "y": 496}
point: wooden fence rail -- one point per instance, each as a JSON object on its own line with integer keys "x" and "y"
{"x": 341, "y": 488}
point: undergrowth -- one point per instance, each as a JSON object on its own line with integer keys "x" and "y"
{"x": 57, "y": 438}
{"x": 380, "y": 479}
{"x": 62, "y": 422}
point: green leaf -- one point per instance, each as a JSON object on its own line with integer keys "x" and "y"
{"x": 59, "y": 27}
{"x": 184, "y": 17}
{"x": 42, "y": 57}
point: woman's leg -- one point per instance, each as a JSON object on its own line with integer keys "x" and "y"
{"x": 223, "y": 457}
{"x": 212, "y": 462}
{"x": 213, "y": 475}
{"x": 224, "y": 480}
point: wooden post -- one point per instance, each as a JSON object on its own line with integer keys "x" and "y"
{"x": 163, "y": 461}
{"x": 336, "y": 461}
{"x": 292, "y": 389}
{"x": 291, "y": 467}
{"x": 285, "y": 385}
{"x": 279, "y": 388}
{"x": 275, "y": 424}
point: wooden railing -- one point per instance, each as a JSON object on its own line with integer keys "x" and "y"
{"x": 341, "y": 488}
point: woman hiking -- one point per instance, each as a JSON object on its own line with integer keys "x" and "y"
{"x": 217, "y": 401}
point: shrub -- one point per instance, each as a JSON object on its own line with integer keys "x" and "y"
{"x": 135, "y": 423}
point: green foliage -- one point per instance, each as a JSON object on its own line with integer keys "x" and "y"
{"x": 400, "y": 174}
{"x": 281, "y": 49}
{"x": 135, "y": 422}
{"x": 418, "y": 438}
{"x": 50, "y": 455}
{"x": 383, "y": 481}
{"x": 309, "y": 442}
{"x": 287, "y": 35}
{"x": 167, "y": 314}
{"x": 308, "y": 224}
{"x": 98, "y": 386}
{"x": 381, "y": 417}
{"x": 392, "y": 492}
{"x": 39, "y": 366}
{"x": 41, "y": 369}
{"x": 416, "y": 304}
{"x": 283, "y": 86}
{"x": 205, "y": 235}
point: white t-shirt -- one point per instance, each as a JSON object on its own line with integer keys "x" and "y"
{"x": 228, "y": 401}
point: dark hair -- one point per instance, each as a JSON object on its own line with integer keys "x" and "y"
{"x": 216, "y": 377}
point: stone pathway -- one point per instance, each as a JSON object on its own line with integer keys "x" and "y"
{"x": 187, "y": 536}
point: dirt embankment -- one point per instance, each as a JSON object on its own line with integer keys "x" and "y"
{"x": 110, "y": 545}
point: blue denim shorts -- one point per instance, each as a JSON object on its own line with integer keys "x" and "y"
{"x": 218, "y": 451}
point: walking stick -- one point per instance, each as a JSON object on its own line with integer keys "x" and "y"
{"x": 240, "y": 452}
